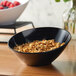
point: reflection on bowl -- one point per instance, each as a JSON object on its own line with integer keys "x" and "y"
{"x": 43, "y": 58}
{"x": 9, "y": 16}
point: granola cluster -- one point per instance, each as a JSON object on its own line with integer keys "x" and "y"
{"x": 38, "y": 46}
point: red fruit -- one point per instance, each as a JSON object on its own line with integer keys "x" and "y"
{"x": 5, "y": 2}
{"x": 1, "y": 7}
{"x": 16, "y": 3}
{"x": 11, "y": 6}
{"x": 8, "y": 4}
{"x": 1, "y": 3}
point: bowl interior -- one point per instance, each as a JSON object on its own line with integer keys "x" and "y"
{"x": 30, "y": 35}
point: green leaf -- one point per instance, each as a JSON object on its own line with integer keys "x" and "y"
{"x": 66, "y": 0}
{"x": 57, "y": 0}
{"x": 63, "y": 0}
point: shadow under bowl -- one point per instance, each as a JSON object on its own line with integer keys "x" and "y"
{"x": 42, "y": 58}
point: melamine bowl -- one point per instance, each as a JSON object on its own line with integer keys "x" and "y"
{"x": 43, "y": 58}
{"x": 10, "y": 15}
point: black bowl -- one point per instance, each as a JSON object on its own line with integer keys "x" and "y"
{"x": 42, "y": 58}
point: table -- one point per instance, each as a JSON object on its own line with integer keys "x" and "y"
{"x": 64, "y": 65}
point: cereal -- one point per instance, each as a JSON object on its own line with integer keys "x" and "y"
{"x": 38, "y": 46}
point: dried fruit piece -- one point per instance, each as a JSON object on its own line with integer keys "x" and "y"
{"x": 1, "y": 7}
{"x": 1, "y": 3}
{"x": 16, "y": 3}
{"x": 11, "y": 5}
{"x": 5, "y": 2}
{"x": 8, "y": 4}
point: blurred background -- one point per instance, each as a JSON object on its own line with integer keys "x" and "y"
{"x": 46, "y": 12}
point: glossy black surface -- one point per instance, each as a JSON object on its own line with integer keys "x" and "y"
{"x": 30, "y": 35}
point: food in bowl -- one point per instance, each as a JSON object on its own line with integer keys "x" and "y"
{"x": 7, "y": 4}
{"x": 38, "y": 46}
